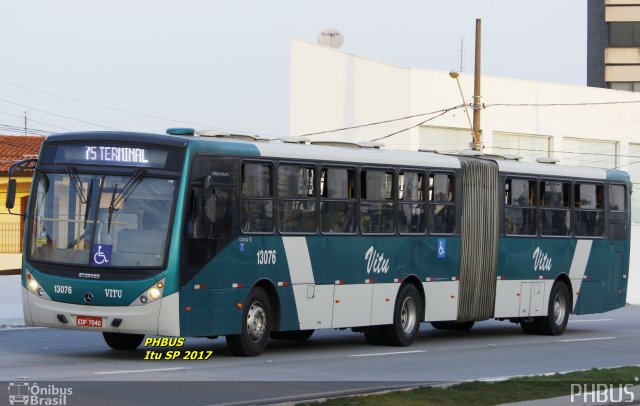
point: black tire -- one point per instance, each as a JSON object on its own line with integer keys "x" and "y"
{"x": 406, "y": 318}
{"x": 453, "y": 325}
{"x": 123, "y": 342}
{"x": 298, "y": 335}
{"x": 374, "y": 335}
{"x": 555, "y": 322}
{"x": 255, "y": 328}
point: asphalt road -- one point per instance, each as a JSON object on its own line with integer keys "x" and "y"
{"x": 330, "y": 363}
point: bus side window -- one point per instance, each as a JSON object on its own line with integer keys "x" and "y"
{"x": 337, "y": 200}
{"x": 412, "y": 212}
{"x": 377, "y": 205}
{"x": 617, "y": 198}
{"x": 442, "y": 209}
{"x": 256, "y": 203}
{"x": 555, "y": 211}
{"x": 589, "y": 210}
{"x": 520, "y": 207}
{"x": 297, "y": 199}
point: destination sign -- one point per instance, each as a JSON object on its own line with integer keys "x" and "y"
{"x": 111, "y": 155}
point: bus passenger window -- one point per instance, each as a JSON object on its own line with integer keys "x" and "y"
{"x": 376, "y": 206}
{"x": 520, "y": 207}
{"x": 555, "y": 212}
{"x": 442, "y": 218}
{"x": 337, "y": 200}
{"x": 589, "y": 210}
{"x": 257, "y": 198}
{"x": 412, "y": 212}
{"x": 296, "y": 199}
{"x": 617, "y": 198}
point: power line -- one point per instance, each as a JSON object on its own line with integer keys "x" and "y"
{"x": 443, "y": 112}
{"x": 104, "y": 106}
{"x": 380, "y": 122}
{"x": 59, "y": 115}
{"x": 36, "y": 121}
{"x": 34, "y": 131}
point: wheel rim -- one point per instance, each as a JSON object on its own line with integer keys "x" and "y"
{"x": 408, "y": 315}
{"x": 256, "y": 322}
{"x": 559, "y": 309}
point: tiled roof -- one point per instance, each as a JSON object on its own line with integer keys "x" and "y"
{"x": 16, "y": 147}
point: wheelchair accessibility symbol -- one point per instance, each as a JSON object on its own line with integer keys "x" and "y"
{"x": 442, "y": 248}
{"x": 101, "y": 254}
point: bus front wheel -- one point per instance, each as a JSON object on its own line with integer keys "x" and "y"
{"x": 121, "y": 341}
{"x": 256, "y": 326}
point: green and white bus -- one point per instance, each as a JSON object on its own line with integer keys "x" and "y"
{"x": 204, "y": 236}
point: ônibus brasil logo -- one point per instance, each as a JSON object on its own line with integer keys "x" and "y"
{"x": 31, "y": 394}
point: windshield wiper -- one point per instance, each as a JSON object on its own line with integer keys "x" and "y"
{"x": 85, "y": 197}
{"x": 78, "y": 184}
{"x": 127, "y": 189}
{"x": 87, "y": 205}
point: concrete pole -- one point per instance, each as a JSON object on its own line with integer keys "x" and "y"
{"x": 477, "y": 139}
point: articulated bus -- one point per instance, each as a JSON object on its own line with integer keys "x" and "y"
{"x": 199, "y": 236}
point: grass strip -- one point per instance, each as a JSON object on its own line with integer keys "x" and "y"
{"x": 492, "y": 393}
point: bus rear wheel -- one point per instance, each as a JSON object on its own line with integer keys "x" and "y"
{"x": 555, "y": 322}
{"x": 123, "y": 342}
{"x": 406, "y": 318}
{"x": 256, "y": 326}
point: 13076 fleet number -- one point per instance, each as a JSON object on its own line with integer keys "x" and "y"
{"x": 266, "y": 257}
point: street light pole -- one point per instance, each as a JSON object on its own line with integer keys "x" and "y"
{"x": 455, "y": 76}
{"x": 477, "y": 140}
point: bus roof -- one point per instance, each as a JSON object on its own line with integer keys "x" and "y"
{"x": 337, "y": 154}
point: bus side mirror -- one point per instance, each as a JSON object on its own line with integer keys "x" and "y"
{"x": 11, "y": 193}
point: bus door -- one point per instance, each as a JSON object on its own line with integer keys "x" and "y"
{"x": 211, "y": 221}
{"x": 618, "y": 242}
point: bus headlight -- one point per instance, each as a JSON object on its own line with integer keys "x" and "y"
{"x": 34, "y": 287}
{"x": 152, "y": 294}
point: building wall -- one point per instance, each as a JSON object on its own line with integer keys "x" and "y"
{"x": 613, "y": 52}
{"x": 11, "y": 224}
{"x": 602, "y": 135}
{"x": 597, "y": 40}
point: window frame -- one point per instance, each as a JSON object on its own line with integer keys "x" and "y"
{"x": 535, "y": 207}
{"x": 279, "y": 199}
{"x": 453, "y": 202}
{"x": 273, "y": 198}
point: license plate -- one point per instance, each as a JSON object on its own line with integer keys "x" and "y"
{"x": 89, "y": 321}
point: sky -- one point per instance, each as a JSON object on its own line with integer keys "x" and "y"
{"x": 146, "y": 65}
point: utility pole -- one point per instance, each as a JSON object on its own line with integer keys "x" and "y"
{"x": 25, "y": 123}
{"x": 477, "y": 140}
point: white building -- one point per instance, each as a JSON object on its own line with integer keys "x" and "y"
{"x": 331, "y": 89}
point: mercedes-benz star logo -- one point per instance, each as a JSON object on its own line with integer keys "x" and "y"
{"x": 88, "y": 297}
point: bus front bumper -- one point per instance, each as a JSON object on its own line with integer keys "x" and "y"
{"x": 160, "y": 317}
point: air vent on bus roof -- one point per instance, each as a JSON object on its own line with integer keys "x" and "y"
{"x": 219, "y": 134}
{"x": 180, "y": 131}
{"x": 296, "y": 140}
{"x": 349, "y": 144}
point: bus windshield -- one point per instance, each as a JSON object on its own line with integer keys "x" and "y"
{"x": 101, "y": 220}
